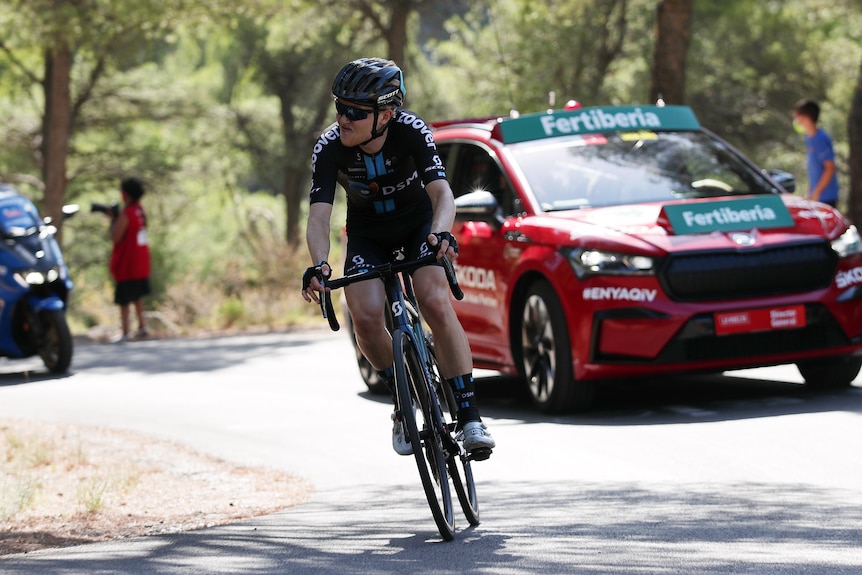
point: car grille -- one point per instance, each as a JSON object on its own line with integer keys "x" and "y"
{"x": 729, "y": 275}
{"x": 822, "y": 332}
{"x": 761, "y": 344}
{"x": 698, "y": 342}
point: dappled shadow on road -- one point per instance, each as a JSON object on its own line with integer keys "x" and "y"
{"x": 179, "y": 355}
{"x": 561, "y": 528}
{"x": 678, "y": 399}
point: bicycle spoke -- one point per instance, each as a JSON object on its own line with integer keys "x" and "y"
{"x": 457, "y": 460}
{"x": 427, "y": 447}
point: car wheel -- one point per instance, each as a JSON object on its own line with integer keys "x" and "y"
{"x": 830, "y": 373}
{"x": 546, "y": 353}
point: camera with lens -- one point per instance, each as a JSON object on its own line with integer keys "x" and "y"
{"x": 113, "y": 210}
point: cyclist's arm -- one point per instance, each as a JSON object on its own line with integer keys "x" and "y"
{"x": 317, "y": 231}
{"x": 443, "y": 206}
{"x": 324, "y": 172}
{"x": 433, "y": 173}
{"x": 317, "y": 238}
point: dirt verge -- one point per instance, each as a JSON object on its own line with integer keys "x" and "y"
{"x": 64, "y": 485}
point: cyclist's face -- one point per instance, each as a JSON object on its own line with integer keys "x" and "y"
{"x": 355, "y": 122}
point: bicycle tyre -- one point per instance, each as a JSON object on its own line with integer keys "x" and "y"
{"x": 427, "y": 444}
{"x": 458, "y": 462}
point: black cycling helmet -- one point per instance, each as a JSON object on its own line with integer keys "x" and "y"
{"x": 371, "y": 82}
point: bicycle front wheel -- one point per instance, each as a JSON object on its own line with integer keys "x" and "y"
{"x": 458, "y": 461}
{"x": 418, "y": 416}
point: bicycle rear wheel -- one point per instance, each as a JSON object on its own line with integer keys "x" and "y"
{"x": 417, "y": 413}
{"x": 458, "y": 462}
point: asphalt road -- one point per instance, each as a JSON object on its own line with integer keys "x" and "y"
{"x": 741, "y": 473}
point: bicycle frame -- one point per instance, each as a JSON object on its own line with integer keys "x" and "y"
{"x": 403, "y": 306}
{"x": 404, "y": 311}
{"x": 438, "y": 454}
{"x": 405, "y": 315}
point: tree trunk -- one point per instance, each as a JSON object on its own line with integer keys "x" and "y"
{"x": 673, "y": 21}
{"x": 396, "y": 35}
{"x": 295, "y": 192}
{"x": 854, "y": 133}
{"x": 394, "y": 28}
{"x": 55, "y": 129}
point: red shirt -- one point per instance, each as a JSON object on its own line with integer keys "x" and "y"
{"x": 130, "y": 258}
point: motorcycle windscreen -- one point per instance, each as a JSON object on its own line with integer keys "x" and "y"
{"x": 18, "y": 217}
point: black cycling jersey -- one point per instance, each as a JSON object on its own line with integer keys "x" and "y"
{"x": 385, "y": 191}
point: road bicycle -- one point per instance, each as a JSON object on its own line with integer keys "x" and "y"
{"x": 425, "y": 404}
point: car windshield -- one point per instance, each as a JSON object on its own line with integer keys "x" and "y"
{"x": 627, "y": 168}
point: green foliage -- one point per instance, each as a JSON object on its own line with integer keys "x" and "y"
{"x": 749, "y": 61}
{"x": 231, "y": 311}
{"x": 515, "y": 53}
{"x": 217, "y": 105}
{"x": 779, "y": 53}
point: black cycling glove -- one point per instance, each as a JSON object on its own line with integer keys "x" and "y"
{"x": 315, "y": 272}
{"x": 449, "y": 238}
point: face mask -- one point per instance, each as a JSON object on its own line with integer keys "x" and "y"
{"x": 797, "y": 127}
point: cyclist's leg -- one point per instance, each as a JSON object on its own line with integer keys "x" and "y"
{"x": 432, "y": 292}
{"x": 366, "y": 301}
{"x": 458, "y": 461}
{"x": 453, "y": 350}
{"x": 472, "y": 430}
{"x": 367, "y": 310}
{"x": 453, "y": 355}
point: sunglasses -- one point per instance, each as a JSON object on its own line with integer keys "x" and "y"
{"x": 353, "y": 114}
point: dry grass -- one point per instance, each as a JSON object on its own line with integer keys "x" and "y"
{"x": 190, "y": 306}
{"x": 65, "y": 485}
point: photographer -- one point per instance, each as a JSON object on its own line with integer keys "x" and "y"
{"x": 130, "y": 257}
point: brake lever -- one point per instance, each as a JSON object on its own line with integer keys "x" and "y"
{"x": 453, "y": 279}
{"x": 327, "y": 309}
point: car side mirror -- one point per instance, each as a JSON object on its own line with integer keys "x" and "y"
{"x": 784, "y": 179}
{"x": 480, "y": 206}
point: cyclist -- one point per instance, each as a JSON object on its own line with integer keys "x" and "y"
{"x": 397, "y": 199}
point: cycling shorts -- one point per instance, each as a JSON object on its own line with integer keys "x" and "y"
{"x": 370, "y": 248}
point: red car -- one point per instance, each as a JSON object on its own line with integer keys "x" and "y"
{"x": 615, "y": 242}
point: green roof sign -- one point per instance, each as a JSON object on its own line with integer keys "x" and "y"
{"x": 597, "y": 120}
{"x": 728, "y": 215}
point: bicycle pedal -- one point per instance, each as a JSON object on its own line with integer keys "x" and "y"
{"x": 480, "y": 454}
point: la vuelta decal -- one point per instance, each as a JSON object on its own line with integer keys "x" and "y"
{"x": 760, "y": 319}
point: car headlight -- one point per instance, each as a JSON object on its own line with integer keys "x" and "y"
{"x": 588, "y": 262}
{"x": 848, "y": 243}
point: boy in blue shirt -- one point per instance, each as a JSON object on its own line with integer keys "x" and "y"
{"x": 822, "y": 176}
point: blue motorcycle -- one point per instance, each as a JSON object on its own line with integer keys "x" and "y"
{"x": 34, "y": 284}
